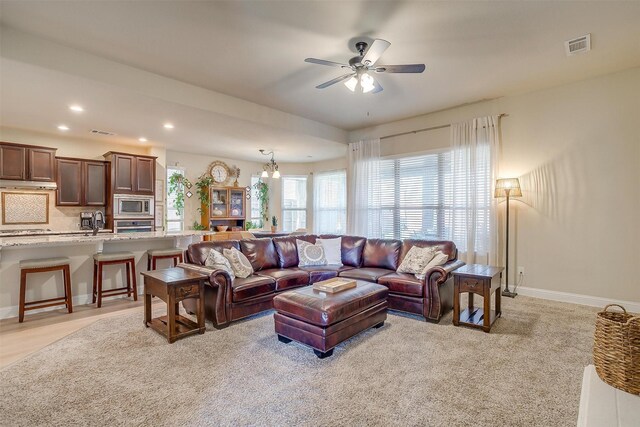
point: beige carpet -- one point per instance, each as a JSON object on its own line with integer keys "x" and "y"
{"x": 527, "y": 372}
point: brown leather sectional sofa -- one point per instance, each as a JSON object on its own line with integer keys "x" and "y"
{"x": 275, "y": 262}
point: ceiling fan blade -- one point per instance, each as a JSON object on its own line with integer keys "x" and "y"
{"x": 323, "y": 62}
{"x": 334, "y": 81}
{"x": 375, "y": 51}
{"x": 408, "y": 68}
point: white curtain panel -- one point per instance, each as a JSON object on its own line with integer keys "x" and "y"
{"x": 472, "y": 221}
{"x": 363, "y": 201}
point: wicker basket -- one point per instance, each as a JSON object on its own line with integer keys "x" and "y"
{"x": 616, "y": 349}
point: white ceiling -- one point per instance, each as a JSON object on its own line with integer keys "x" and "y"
{"x": 254, "y": 50}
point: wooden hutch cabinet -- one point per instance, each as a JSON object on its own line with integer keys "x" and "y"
{"x": 227, "y": 207}
{"x": 27, "y": 162}
{"x": 80, "y": 182}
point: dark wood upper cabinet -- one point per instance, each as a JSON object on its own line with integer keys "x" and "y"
{"x": 25, "y": 162}
{"x": 132, "y": 173}
{"x": 145, "y": 174}
{"x": 13, "y": 162}
{"x": 95, "y": 188}
{"x": 80, "y": 182}
{"x": 123, "y": 173}
{"x": 41, "y": 164}
{"x": 69, "y": 180}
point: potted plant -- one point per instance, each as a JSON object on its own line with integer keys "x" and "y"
{"x": 274, "y": 224}
{"x": 202, "y": 188}
{"x": 177, "y": 183}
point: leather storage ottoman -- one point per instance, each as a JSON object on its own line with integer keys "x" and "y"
{"x": 323, "y": 320}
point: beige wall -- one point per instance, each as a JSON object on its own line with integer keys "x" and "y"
{"x": 576, "y": 149}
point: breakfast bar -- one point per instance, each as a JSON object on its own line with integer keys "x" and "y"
{"x": 79, "y": 248}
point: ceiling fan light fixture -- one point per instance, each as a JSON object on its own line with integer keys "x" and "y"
{"x": 367, "y": 83}
{"x": 351, "y": 84}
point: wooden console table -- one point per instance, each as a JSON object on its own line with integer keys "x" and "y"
{"x": 482, "y": 280}
{"x": 173, "y": 285}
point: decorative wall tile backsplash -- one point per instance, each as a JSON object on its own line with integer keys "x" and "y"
{"x": 25, "y": 208}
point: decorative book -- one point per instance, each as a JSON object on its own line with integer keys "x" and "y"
{"x": 337, "y": 284}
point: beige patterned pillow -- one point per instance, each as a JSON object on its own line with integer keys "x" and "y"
{"x": 440, "y": 258}
{"x": 416, "y": 259}
{"x": 310, "y": 254}
{"x": 217, "y": 261}
{"x": 241, "y": 266}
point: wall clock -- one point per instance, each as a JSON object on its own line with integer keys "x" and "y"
{"x": 220, "y": 172}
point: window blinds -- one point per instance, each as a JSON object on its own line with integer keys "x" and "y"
{"x": 294, "y": 202}
{"x": 330, "y": 202}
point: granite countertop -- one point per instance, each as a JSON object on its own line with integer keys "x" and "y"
{"x": 15, "y": 233}
{"x": 71, "y": 238}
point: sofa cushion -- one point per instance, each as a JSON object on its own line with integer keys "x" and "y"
{"x": 310, "y": 254}
{"x": 319, "y": 273}
{"x": 261, "y": 253}
{"x": 332, "y": 250}
{"x": 287, "y": 250}
{"x": 381, "y": 253}
{"x": 197, "y": 252}
{"x": 252, "y": 287}
{"x": 239, "y": 263}
{"x": 416, "y": 260}
{"x": 402, "y": 283}
{"x": 444, "y": 246}
{"x": 365, "y": 273}
{"x": 352, "y": 247}
{"x": 217, "y": 261}
{"x": 286, "y": 278}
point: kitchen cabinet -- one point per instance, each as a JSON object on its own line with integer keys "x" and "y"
{"x": 27, "y": 163}
{"x": 80, "y": 182}
{"x": 132, "y": 173}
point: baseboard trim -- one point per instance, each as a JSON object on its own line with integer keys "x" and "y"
{"x": 633, "y": 307}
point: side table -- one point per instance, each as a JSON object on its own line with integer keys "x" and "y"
{"x": 173, "y": 285}
{"x": 483, "y": 280}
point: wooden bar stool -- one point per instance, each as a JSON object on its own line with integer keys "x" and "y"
{"x": 155, "y": 254}
{"x": 40, "y": 266}
{"x": 102, "y": 259}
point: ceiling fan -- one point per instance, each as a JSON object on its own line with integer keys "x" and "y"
{"x": 360, "y": 67}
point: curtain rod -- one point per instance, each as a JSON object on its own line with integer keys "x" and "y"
{"x": 427, "y": 129}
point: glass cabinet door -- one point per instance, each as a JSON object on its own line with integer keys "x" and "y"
{"x": 236, "y": 203}
{"x": 218, "y": 203}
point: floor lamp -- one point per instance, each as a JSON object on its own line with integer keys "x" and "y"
{"x": 507, "y": 187}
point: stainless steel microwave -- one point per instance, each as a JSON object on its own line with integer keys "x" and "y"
{"x": 132, "y": 206}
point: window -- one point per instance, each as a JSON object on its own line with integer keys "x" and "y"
{"x": 255, "y": 218}
{"x": 175, "y": 220}
{"x": 416, "y": 199}
{"x": 294, "y": 203}
{"x": 330, "y": 202}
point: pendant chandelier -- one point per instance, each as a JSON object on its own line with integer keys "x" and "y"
{"x": 270, "y": 167}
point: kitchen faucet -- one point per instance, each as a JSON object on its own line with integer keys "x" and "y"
{"x": 97, "y": 225}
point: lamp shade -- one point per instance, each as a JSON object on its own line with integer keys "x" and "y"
{"x": 512, "y": 185}
{"x": 264, "y": 174}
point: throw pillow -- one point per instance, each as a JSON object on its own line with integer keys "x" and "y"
{"x": 241, "y": 266}
{"x": 310, "y": 254}
{"x": 217, "y": 261}
{"x": 439, "y": 258}
{"x": 332, "y": 250}
{"x": 416, "y": 259}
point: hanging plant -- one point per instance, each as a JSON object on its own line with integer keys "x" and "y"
{"x": 263, "y": 197}
{"x": 202, "y": 188}
{"x": 177, "y": 182}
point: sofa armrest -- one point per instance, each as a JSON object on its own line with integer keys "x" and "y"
{"x": 441, "y": 272}
{"x": 216, "y": 293}
{"x": 439, "y": 289}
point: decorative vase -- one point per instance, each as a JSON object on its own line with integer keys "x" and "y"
{"x": 217, "y": 212}
{"x": 274, "y": 228}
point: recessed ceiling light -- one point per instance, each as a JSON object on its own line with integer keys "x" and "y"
{"x": 168, "y": 126}
{"x": 63, "y": 127}
{"x": 142, "y": 139}
{"x": 76, "y": 108}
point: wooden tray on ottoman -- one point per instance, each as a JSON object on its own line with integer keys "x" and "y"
{"x": 337, "y": 284}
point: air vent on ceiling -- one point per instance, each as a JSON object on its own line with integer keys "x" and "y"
{"x": 101, "y": 132}
{"x": 578, "y": 45}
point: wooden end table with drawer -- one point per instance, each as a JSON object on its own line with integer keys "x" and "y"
{"x": 483, "y": 280}
{"x": 173, "y": 285}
